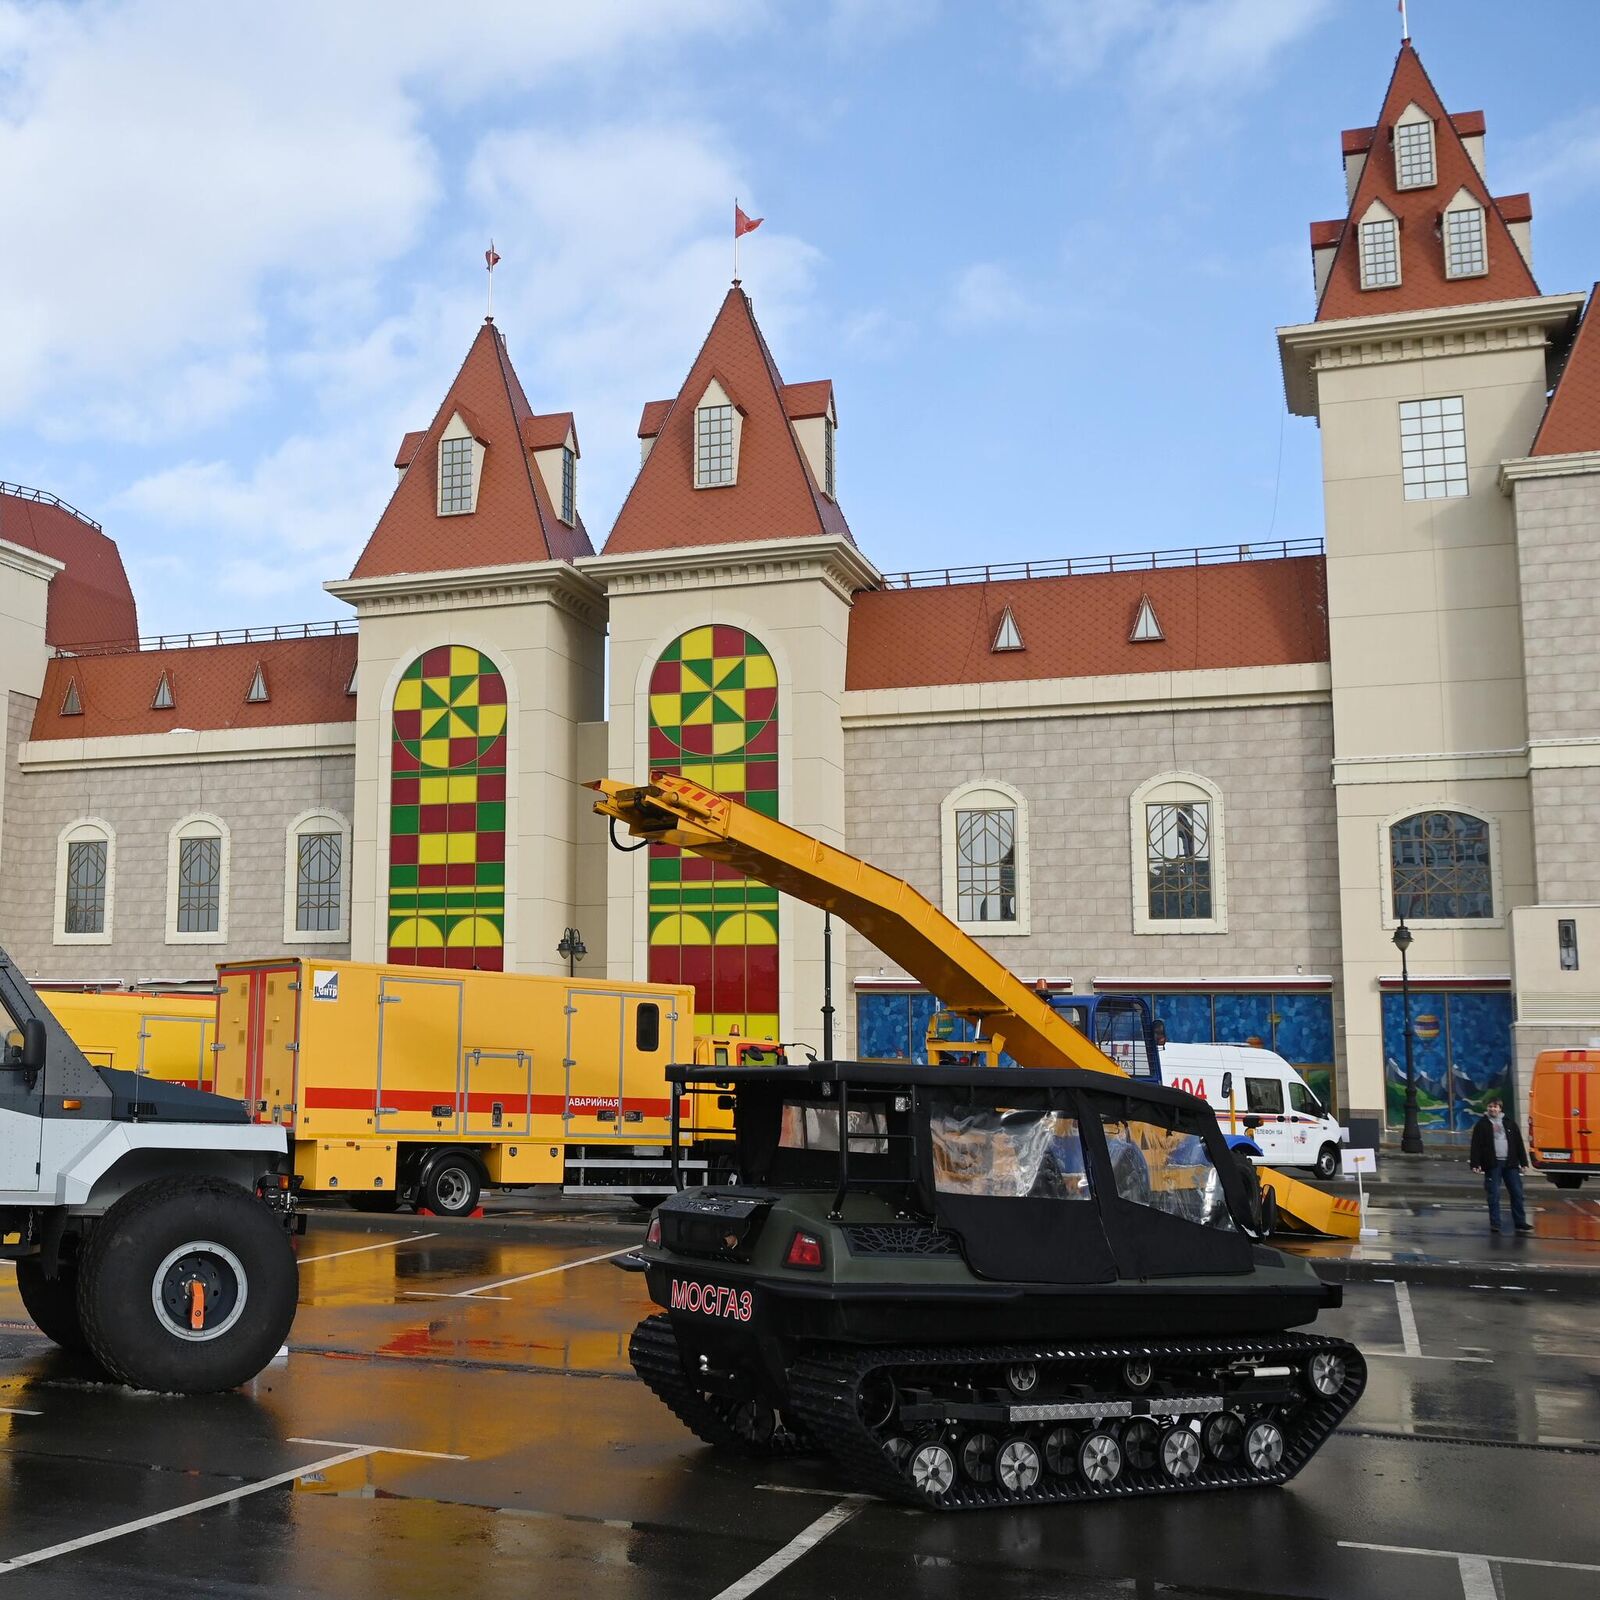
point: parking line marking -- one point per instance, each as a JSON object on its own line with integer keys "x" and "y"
{"x": 441, "y": 1294}
{"x": 361, "y": 1249}
{"x": 1417, "y": 1355}
{"x": 1408, "y": 1319}
{"x": 482, "y": 1291}
{"x": 385, "y": 1449}
{"x": 1467, "y": 1555}
{"x": 34, "y": 1557}
{"x": 831, "y": 1519}
{"x": 17, "y": 1411}
{"x": 1477, "y": 1581}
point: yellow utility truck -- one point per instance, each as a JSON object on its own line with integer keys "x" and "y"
{"x": 166, "y": 1036}
{"x": 421, "y": 1086}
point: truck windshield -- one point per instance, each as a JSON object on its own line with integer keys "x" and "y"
{"x": 1017, "y": 1154}
{"x": 1302, "y": 1100}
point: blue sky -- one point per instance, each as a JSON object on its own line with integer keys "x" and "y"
{"x": 1040, "y": 245}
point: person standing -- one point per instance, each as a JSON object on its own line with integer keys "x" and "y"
{"x": 1498, "y": 1153}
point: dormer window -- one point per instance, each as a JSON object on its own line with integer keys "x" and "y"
{"x": 455, "y": 476}
{"x": 1465, "y": 253}
{"x": 827, "y": 459}
{"x": 569, "y": 486}
{"x": 1380, "y": 248}
{"x": 713, "y": 446}
{"x": 1413, "y": 150}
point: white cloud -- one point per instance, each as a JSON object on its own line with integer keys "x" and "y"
{"x": 1561, "y": 163}
{"x": 987, "y": 295}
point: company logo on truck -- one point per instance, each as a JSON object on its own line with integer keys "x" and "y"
{"x": 325, "y": 985}
{"x": 711, "y": 1299}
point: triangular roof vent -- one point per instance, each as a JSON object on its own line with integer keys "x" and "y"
{"x": 350, "y": 688}
{"x": 1006, "y": 636}
{"x": 1146, "y": 630}
{"x": 163, "y": 700}
{"x": 72, "y": 704}
{"x": 257, "y": 694}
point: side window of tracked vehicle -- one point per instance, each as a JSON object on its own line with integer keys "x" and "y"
{"x": 808, "y": 1127}
{"x": 1167, "y": 1169}
{"x": 1264, "y": 1096}
{"x": 1015, "y": 1154}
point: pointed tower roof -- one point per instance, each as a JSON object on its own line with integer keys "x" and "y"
{"x": 1423, "y": 284}
{"x": 1571, "y": 422}
{"x": 774, "y": 495}
{"x": 513, "y": 520}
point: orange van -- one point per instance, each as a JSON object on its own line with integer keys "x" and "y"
{"x": 1564, "y": 1116}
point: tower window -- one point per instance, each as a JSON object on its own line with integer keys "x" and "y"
{"x": 1380, "y": 253}
{"x": 569, "y": 486}
{"x": 827, "y": 458}
{"x": 455, "y": 476}
{"x": 713, "y": 446}
{"x": 1413, "y": 154}
{"x": 1433, "y": 448}
{"x": 1464, "y": 253}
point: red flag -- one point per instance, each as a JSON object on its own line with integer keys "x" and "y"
{"x": 743, "y": 224}
{"x": 491, "y": 257}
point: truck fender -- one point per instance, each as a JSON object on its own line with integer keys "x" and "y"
{"x": 93, "y": 1174}
{"x": 438, "y": 1153}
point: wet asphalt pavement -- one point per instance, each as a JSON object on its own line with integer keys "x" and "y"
{"x": 456, "y": 1416}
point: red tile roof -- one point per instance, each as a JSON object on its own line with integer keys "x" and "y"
{"x": 1515, "y": 207}
{"x": 1423, "y": 284}
{"x": 91, "y": 602}
{"x": 307, "y": 680}
{"x": 550, "y": 432}
{"x": 514, "y": 521}
{"x": 1322, "y": 233}
{"x": 409, "y": 447}
{"x": 813, "y": 399}
{"x": 1239, "y": 614}
{"x": 1572, "y": 419}
{"x": 1355, "y": 141}
{"x": 651, "y": 418}
{"x": 775, "y": 496}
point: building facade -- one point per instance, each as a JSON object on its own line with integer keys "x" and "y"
{"x": 1219, "y": 778}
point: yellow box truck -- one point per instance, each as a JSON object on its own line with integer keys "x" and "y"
{"x": 166, "y": 1036}
{"x": 421, "y": 1086}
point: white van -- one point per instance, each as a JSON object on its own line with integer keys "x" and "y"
{"x": 1271, "y": 1102}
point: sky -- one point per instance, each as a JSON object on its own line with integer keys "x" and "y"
{"x": 1040, "y": 246}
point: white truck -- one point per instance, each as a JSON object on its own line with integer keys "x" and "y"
{"x": 1257, "y": 1093}
{"x": 150, "y": 1224}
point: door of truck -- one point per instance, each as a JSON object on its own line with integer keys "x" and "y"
{"x": 609, "y": 1031}
{"x": 420, "y": 1088}
{"x": 257, "y": 1037}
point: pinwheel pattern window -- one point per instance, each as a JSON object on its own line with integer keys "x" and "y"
{"x": 1440, "y": 865}
{"x": 1178, "y": 852}
{"x": 199, "y": 884}
{"x": 86, "y": 886}
{"x": 318, "y": 864}
{"x": 986, "y": 865}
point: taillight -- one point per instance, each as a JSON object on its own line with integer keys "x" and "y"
{"x": 805, "y": 1251}
{"x": 653, "y": 1233}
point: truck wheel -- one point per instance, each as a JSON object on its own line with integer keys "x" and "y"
{"x": 53, "y": 1302}
{"x": 188, "y": 1286}
{"x": 452, "y": 1187}
{"x": 1565, "y": 1180}
{"x": 1327, "y": 1161}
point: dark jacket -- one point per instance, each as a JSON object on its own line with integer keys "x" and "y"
{"x": 1482, "y": 1152}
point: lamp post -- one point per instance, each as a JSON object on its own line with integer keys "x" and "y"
{"x": 1411, "y": 1133}
{"x": 572, "y": 948}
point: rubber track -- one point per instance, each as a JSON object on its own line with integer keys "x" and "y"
{"x": 824, "y": 1384}
{"x": 653, "y": 1350}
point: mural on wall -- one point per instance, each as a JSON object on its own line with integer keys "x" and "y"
{"x": 714, "y": 721}
{"x": 447, "y": 813}
{"x": 1460, "y": 1054}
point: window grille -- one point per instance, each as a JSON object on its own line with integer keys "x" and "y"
{"x": 1178, "y": 845}
{"x": 827, "y": 459}
{"x": 713, "y": 446}
{"x": 86, "y": 887}
{"x": 569, "y": 486}
{"x": 986, "y": 866}
{"x": 1433, "y": 448}
{"x": 1440, "y": 866}
{"x": 1380, "y": 253}
{"x": 1465, "y": 256}
{"x": 1413, "y": 154}
{"x": 455, "y": 476}
{"x": 318, "y": 867}
{"x": 199, "y": 884}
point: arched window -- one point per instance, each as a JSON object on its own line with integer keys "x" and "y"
{"x": 197, "y": 880}
{"x": 984, "y": 835}
{"x": 1179, "y": 882}
{"x": 85, "y": 878}
{"x": 1442, "y": 867}
{"x": 317, "y": 879}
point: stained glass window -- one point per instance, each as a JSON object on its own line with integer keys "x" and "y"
{"x": 447, "y": 813}
{"x": 986, "y": 866}
{"x": 199, "y": 884}
{"x": 319, "y": 861}
{"x": 1178, "y": 846}
{"x": 714, "y": 720}
{"x": 86, "y": 887}
{"x": 1439, "y": 861}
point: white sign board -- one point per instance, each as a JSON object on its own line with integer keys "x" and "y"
{"x": 1358, "y": 1161}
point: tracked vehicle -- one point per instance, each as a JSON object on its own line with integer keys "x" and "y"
{"x": 971, "y": 1287}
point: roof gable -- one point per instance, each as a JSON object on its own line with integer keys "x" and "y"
{"x": 1572, "y": 419}
{"x": 514, "y": 520}
{"x": 1423, "y": 284}
{"x": 90, "y": 602}
{"x": 775, "y": 495}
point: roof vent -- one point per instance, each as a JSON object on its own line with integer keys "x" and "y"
{"x": 1006, "y": 635}
{"x": 1146, "y": 630}
{"x": 258, "y": 688}
{"x": 163, "y": 700}
{"x": 72, "y": 705}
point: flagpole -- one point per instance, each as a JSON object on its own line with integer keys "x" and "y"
{"x": 736, "y": 238}
{"x": 1405, "y": 24}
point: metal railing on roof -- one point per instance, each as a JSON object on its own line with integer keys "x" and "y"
{"x": 1074, "y": 566}
{"x": 197, "y": 641}
{"x": 43, "y": 497}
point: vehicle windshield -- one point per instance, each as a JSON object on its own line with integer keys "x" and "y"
{"x": 1016, "y": 1154}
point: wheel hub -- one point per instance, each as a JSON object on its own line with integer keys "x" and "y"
{"x": 199, "y": 1291}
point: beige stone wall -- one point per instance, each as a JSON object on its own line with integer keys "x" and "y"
{"x": 257, "y": 799}
{"x": 1077, "y": 773}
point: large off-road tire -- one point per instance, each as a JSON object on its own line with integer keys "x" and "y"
{"x": 136, "y": 1295}
{"x": 53, "y": 1302}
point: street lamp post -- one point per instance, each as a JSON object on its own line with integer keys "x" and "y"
{"x": 572, "y": 949}
{"x": 1411, "y": 1133}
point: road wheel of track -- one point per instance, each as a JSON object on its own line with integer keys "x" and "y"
{"x": 1141, "y": 1444}
{"x": 1017, "y": 1465}
{"x": 932, "y": 1471}
{"x": 1100, "y": 1459}
{"x": 1327, "y": 1165}
{"x": 755, "y": 1422}
{"x": 898, "y": 1450}
{"x": 1138, "y": 1374}
{"x": 1223, "y": 1436}
{"x": 1263, "y": 1446}
{"x": 1567, "y": 1180}
{"x": 452, "y": 1186}
{"x": 374, "y": 1200}
{"x": 877, "y": 1401}
{"x": 977, "y": 1456}
{"x": 1061, "y": 1451}
{"x": 1180, "y": 1453}
{"x": 1022, "y": 1378}
{"x": 187, "y": 1285}
{"x": 53, "y": 1302}
{"x": 1325, "y": 1372}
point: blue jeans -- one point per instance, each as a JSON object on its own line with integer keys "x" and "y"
{"x": 1492, "y": 1176}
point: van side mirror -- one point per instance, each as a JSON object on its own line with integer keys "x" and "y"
{"x": 35, "y": 1045}
{"x": 1227, "y": 1086}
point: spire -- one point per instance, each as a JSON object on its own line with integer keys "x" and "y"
{"x": 1418, "y": 211}
{"x": 773, "y": 492}
{"x": 512, "y": 518}
{"x": 1571, "y": 423}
